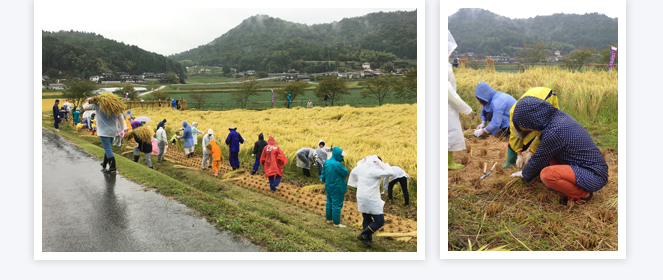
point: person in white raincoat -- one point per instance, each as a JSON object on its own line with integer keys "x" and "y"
{"x": 207, "y": 156}
{"x": 366, "y": 177}
{"x": 456, "y": 104}
{"x": 306, "y": 156}
{"x": 194, "y": 133}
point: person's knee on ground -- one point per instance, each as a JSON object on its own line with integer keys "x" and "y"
{"x": 561, "y": 178}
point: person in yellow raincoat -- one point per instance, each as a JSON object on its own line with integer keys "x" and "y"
{"x": 518, "y": 144}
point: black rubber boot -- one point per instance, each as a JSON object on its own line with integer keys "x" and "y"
{"x": 364, "y": 239}
{"x": 112, "y": 165}
{"x": 307, "y": 172}
{"x": 103, "y": 164}
{"x": 136, "y": 158}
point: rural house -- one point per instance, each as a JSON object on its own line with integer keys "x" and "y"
{"x": 366, "y": 65}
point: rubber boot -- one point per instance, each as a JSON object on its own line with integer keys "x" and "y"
{"x": 103, "y": 164}
{"x": 452, "y": 164}
{"x": 511, "y": 157}
{"x": 253, "y": 172}
{"x": 136, "y": 158}
{"x": 364, "y": 239}
{"x": 216, "y": 173}
{"x": 112, "y": 165}
{"x": 307, "y": 172}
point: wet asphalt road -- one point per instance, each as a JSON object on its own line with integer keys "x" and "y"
{"x": 87, "y": 210}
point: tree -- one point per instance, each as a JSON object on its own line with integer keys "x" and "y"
{"x": 534, "y": 53}
{"x": 127, "y": 89}
{"x": 333, "y": 87}
{"x": 200, "y": 98}
{"x": 262, "y": 74}
{"x": 247, "y": 89}
{"x": 172, "y": 78}
{"x": 380, "y": 87}
{"x": 226, "y": 69}
{"x": 78, "y": 90}
{"x": 293, "y": 88}
{"x": 578, "y": 58}
{"x": 387, "y": 67}
{"x": 406, "y": 87}
{"x": 159, "y": 95}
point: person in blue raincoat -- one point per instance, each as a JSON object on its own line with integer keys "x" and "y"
{"x": 288, "y": 100}
{"x": 334, "y": 174}
{"x": 233, "y": 140}
{"x": 188, "y": 139}
{"x": 567, "y": 160}
{"x": 496, "y": 106}
{"x": 174, "y": 103}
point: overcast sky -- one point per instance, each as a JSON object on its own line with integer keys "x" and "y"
{"x": 170, "y": 31}
{"x": 527, "y": 9}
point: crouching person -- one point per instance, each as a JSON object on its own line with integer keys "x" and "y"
{"x": 366, "y": 178}
{"x": 567, "y": 159}
{"x": 144, "y": 147}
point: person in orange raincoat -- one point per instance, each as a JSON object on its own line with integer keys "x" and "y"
{"x": 273, "y": 159}
{"x": 216, "y": 156}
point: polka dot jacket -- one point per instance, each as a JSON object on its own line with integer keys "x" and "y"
{"x": 563, "y": 138}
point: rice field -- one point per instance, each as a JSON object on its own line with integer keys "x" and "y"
{"x": 590, "y": 97}
{"x": 390, "y": 131}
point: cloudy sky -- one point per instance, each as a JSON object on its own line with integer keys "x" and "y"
{"x": 526, "y": 9}
{"x": 170, "y": 31}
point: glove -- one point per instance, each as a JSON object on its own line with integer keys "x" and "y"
{"x": 527, "y": 157}
{"x": 517, "y": 174}
{"x": 482, "y": 125}
{"x": 520, "y": 162}
{"x": 478, "y": 132}
{"x": 253, "y": 155}
{"x": 121, "y": 133}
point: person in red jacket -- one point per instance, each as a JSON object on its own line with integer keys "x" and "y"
{"x": 273, "y": 159}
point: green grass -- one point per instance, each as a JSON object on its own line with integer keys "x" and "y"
{"x": 272, "y": 224}
{"x": 207, "y": 78}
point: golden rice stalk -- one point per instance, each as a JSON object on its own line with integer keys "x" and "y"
{"x": 144, "y": 133}
{"x": 184, "y": 167}
{"x": 397, "y": 234}
{"x": 315, "y": 188}
{"x": 109, "y": 103}
{"x": 232, "y": 173}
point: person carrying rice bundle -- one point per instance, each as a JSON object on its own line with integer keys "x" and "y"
{"x": 110, "y": 124}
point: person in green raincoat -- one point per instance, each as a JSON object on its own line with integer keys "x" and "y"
{"x": 334, "y": 174}
{"x": 517, "y": 145}
{"x": 76, "y": 114}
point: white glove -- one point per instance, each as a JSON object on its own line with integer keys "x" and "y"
{"x": 478, "y": 132}
{"x": 527, "y": 157}
{"x": 520, "y": 162}
{"x": 253, "y": 155}
{"x": 517, "y": 174}
{"x": 482, "y": 125}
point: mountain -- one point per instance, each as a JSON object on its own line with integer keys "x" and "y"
{"x": 81, "y": 54}
{"x": 265, "y": 43}
{"x": 481, "y": 31}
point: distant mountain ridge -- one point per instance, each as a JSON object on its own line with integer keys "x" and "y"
{"x": 264, "y": 42}
{"x": 82, "y": 54}
{"x": 481, "y": 31}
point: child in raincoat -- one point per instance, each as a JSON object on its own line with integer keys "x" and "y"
{"x": 334, "y": 174}
{"x": 194, "y": 134}
{"x": 274, "y": 159}
{"x": 216, "y": 156}
{"x": 76, "y": 114}
{"x": 366, "y": 178}
{"x": 496, "y": 108}
{"x": 518, "y": 145}
{"x": 188, "y": 139}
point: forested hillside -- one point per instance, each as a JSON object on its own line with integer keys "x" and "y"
{"x": 80, "y": 54}
{"x": 481, "y": 31}
{"x": 271, "y": 44}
